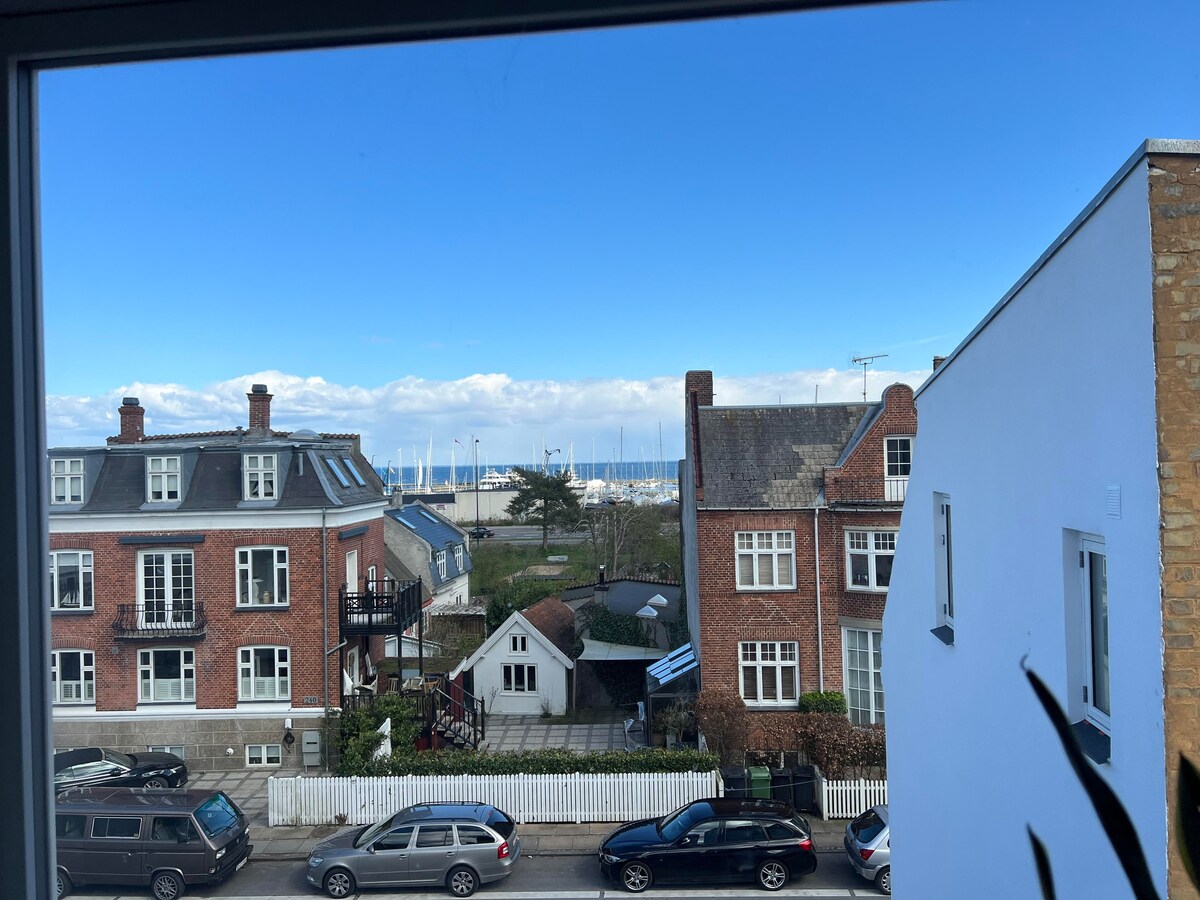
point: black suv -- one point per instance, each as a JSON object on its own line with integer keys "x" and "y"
{"x": 710, "y": 841}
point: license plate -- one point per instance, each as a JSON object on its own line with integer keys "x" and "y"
{"x": 241, "y": 863}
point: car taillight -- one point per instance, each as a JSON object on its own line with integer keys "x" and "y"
{"x": 806, "y": 844}
{"x": 865, "y": 853}
{"x": 502, "y": 851}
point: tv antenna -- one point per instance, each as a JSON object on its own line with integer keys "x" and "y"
{"x": 865, "y": 361}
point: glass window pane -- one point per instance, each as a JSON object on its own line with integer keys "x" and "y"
{"x": 1098, "y": 590}
{"x": 860, "y": 574}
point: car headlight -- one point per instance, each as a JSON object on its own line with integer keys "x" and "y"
{"x": 314, "y": 861}
{"x": 608, "y": 856}
{"x": 221, "y": 852}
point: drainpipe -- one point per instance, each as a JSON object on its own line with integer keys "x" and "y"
{"x": 820, "y": 630}
{"x": 325, "y": 605}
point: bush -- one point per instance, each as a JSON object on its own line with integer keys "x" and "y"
{"x": 823, "y": 702}
{"x": 840, "y": 748}
{"x": 721, "y": 717}
{"x": 550, "y": 761}
{"x": 359, "y": 737}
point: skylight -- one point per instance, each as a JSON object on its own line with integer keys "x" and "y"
{"x": 333, "y": 467}
{"x": 353, "y": 471}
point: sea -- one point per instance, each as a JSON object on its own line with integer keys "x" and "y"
{"x": 608, "y": 472}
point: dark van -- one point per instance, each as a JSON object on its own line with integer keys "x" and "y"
{"x": 152, "y": 837}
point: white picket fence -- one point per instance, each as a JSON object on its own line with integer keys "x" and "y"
{"x": 846, "y": 799}
{"x": 323, "y": 800}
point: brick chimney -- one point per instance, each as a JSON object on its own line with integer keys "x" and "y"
{"x": 700, "y": 383}
{"x": 260, "y": 410}
{"x": 937, "y": 361}
{"x": 132, "y": 421}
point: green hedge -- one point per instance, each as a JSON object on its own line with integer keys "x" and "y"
{"x": 823, "y": 702}
{"x": 550, "y": 761}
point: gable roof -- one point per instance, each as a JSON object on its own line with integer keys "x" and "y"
{"x": 518, "y": 620}
{"x": 438, "y": 533}
{"x": 555, "y": 620}
{"x": 625, "y": 596}
{"x": 773, "y": 457}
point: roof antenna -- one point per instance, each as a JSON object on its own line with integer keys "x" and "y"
{"x": 865, "y": 361}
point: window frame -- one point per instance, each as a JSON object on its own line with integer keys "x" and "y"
{"x": 265, "y": 756}
{"x": 281, "y": 658}
{"x": 165, "y": 475}
{"x": 458, "y": 556}
{"x": 518, "y": 645}
{"x": 872, "y": 552}
{"x": 186, "y": 669}
{"x": 508, "y": 679}
{"x": 874, "y": 714}
{"x": 87, "y": 581}
{"x": 67, "y": 477}
{"x": 179, "y": 597}
{"x": 56, "y": 681}
{"x": 1090, "y": 547}
{"x": 256, "y": 476}
{"x": 280, "y": 575}
{"x": 777, "y": 664}
{"x": 943, "y": 556}
{"x": 753, "y": 550}
{"x": 439, "y": 562}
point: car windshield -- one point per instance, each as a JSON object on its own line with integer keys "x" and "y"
{"x": 680, "y": 821}
{"x": 369, "y": 834}
{"x": 120, "y": 759}
{"x": 867, "y": 826}
{"x": 216, "y": 815}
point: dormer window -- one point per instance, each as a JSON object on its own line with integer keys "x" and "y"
{"x": 162, "y": 478}
{"x": 66, "y": 481}
{"x": 439, "y": 560}
{"x": 458, "y": 556}
{"x": 259, "y": 477}
{"x": 897, "y": 465}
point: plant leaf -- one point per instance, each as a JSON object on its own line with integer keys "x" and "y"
{"x": 1187, "y": 802}
{"x": 1116, "y": 822}
{"x": 1045, "y": 878}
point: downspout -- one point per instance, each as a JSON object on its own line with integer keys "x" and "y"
{"x": 325, "y": 605}
{"x": 820, "y": 630}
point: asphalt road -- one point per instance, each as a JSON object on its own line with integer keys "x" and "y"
{"x": 532, "y": 534}
{"x": 535, "y": 878}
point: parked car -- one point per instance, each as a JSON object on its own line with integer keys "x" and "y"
{"x": 161, "y": 839}
{"x": 98, "y": 767}
{"x": 479, "y": 532}
{"x": 711, "y": 841}
{"x": 869, "y": 847}
{"x": 460, "y": 845}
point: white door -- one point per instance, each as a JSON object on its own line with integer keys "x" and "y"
{"x": 352, "y": 664}
{"x": 352, "y": 572}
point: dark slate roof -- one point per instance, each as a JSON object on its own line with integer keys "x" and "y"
{"x": 216, "y": 482}
{"x": 772, "y": 457}
{"x": 626, "y": 596}
{"x": 438, "y": 532}
{"x": 120, "y": 484}
{"x": 555, "y": 620}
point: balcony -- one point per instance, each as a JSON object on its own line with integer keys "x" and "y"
{"x": 870, "y": 490}
{"x": 385, "y": 607}
{"x": 157, "y": 621}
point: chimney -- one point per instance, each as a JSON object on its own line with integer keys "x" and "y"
{"x": 132, "y": 421}
{"x": 937, "y": 361}
{"x": 260, "y": 410}
{"x": 701, "y": 384}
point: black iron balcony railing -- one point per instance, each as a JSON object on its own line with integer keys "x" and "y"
{"x": 383, "y": 607}
{"x": 157, "y": 620}
{"x": 455, "y": 716}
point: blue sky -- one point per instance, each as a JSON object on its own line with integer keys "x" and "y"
{"x": 533, "y": 238}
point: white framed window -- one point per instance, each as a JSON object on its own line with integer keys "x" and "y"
{"x": 943, "y": 554}
{"x": 862, "y": 662}
{"x": 262, "y": 576}
{"x": 166, "y": 589}
{"x": 174, "y": 749}
{"x": 73, "y": 676}
{"x": 458, "y": 556}
{"x": 766, "y": 560}
{"x": 258, "y": 476}
{"x": 162, "y": 478}
{"x": 264, "y": 673}
{"x": 261, "y": 755}
{"x": 897, "y": 462}
{"x": 439, "y": 560}
{"x": 352, "y": 571}
{"x": 518, "y": 643}
{"x": 167, "y": 675}
{"x": 391, "y": 646}
{"x": 770, "y": 672}
{"x": 71, "y": 579}
{"x": 869, "y": 557}
{"x": 520, "y": 678}
{"x": 353, "y": 470}
{"x": 66, "y": 481}
{"x": 1094, "y": 602}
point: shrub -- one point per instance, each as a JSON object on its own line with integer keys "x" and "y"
{"x": 839, "y": 747}
{"x": 359, "y": 737}
{"x": 549, "y": 761}
{"x": 721, "y": 716}
{"x": 823, "y": 702}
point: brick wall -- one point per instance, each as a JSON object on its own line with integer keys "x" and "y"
{"x": 1175, "y": 245}
{"x": 861, "y": 477}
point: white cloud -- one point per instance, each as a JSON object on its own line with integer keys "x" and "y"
{"x": 619, "y": 417}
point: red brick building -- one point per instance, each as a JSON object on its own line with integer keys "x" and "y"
{"x": 789, "y": 518}
{"x": 196, "y": 581}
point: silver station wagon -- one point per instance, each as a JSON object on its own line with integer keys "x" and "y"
{"x": 459, "y": 845}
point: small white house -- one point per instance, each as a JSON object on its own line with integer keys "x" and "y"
{"x": 1051, "y": 522}
{"x": 523, "y": 667}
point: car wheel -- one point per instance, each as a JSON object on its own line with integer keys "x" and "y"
{"x": 339, "y": 883}
{"x": 461, "y": 881}
{"x": 62, "y": 883}
{"x": 883, "y": 880}
{"x": 166, "y": 886}
{"x": 636, "y": 877}
{"x": 772, "y": 874}
{"x": 156, "y": 782}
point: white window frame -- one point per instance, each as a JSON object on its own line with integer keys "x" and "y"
{"x": 176, "y": 749}
{"x": 148, "y": 683}
{"x": 352, "y": 571}
{"x": 1095, "y": 644}
{"x": 943, "y": 554}
{"x": 458, "y": 556}
{"x": 85, "y": 591}
{"x": 162, "y": 477}
{"x": 260, "y": 476}
{"x": 508, "y": 676}
{"x": 84, "y": 689}
{"x": 391, "y": 645}
{"x": 264, "y": 756}
{"x": 174, "y": 603}
{"x": 779, "y": 547}
{"x": 872, "y": 550}
{"x": 518, "y": 645}
{"x": 252, "y": 686}
{"x": 66, "y": 481}
{"x": 439, "y": 560}
{"x": 872, "y": 712}
{"x": 251, "y": 595}
{"x": 774, "y": 657}
{"x": 897, "y": 464}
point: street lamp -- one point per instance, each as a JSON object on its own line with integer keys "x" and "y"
{"x": 475, "y": 447}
